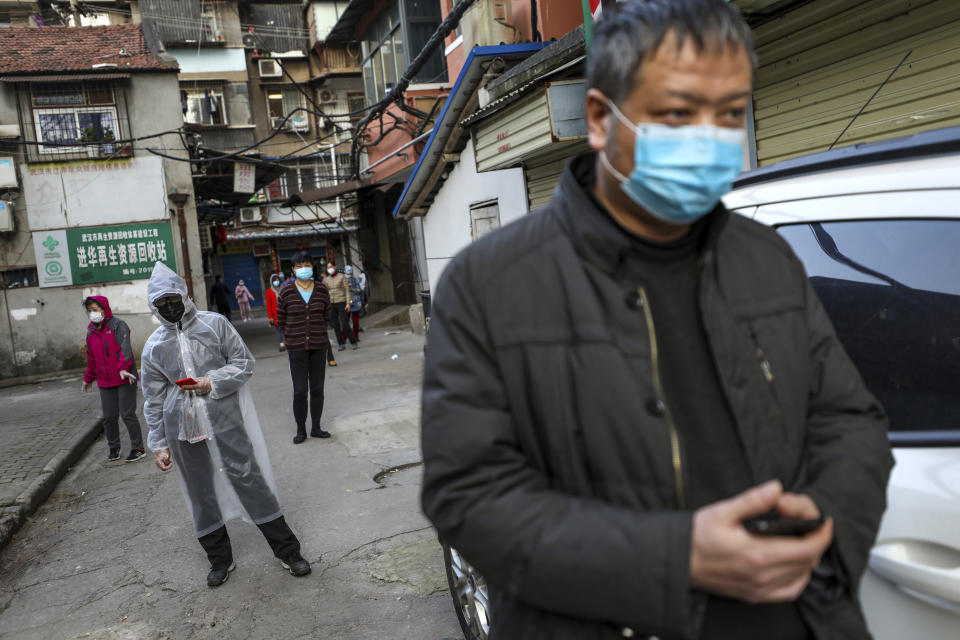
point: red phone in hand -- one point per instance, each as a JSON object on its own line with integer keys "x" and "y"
{"x": 185, "y": 382}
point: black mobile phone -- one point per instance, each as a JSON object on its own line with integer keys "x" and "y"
{"x": 767, "y": 525}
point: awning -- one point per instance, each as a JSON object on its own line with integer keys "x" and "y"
{"x": 217, "y": 183}
{"x": 60, "y": 77}
{"x": 344, "y": 29}
{"x": 265, "y": 233}
{"x": 328, "y": 193}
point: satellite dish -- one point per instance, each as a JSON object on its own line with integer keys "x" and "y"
{"x": 249, "y": 41}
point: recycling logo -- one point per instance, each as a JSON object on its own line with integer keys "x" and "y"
{"x": 53, "y": 267}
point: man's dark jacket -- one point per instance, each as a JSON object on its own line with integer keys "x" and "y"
{"x": 548, "y": 459}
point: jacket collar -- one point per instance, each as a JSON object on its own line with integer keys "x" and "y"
{"x": 597, "y": 237}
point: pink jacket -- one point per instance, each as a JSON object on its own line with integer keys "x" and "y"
{"x": 242, "y": 293}
{"x": 108, "y": 349}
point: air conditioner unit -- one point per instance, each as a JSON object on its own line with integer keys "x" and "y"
{"x": 249, "y": 41}
{"x": 326, "y": 95}
{"x": 488, "y": 23}
{"x": 249, "y": 214}
{"x": 269, "y": 68}
{"x": 6, "y": 216}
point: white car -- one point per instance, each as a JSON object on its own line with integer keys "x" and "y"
{"x": 877, "y": 227}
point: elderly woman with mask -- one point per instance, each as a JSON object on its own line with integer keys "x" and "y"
{"x": 202, "y": 420}
{"x": 110, "y": 362}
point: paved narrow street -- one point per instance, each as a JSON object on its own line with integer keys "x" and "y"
{"x": 112, "y": 554}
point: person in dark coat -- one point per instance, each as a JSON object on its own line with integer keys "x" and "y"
{"x": 657, "y": 372}
{"x": 220, "y": 295}
{"x": 303, "y": 312}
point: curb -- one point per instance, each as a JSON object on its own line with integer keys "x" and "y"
{"x": 40, "y": 488}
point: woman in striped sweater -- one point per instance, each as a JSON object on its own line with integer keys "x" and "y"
{"x": 303, "y": 311}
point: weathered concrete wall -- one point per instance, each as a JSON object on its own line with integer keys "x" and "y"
{"x": 43, "y": 330}
{"x": 46, "y": 329}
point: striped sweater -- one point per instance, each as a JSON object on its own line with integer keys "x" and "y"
{"x": 304, "y": 325}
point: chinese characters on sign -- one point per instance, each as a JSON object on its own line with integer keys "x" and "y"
{"x": 119, "y": 253}
{"x": 103, "y": 254}
{"x": 244, "y": 178}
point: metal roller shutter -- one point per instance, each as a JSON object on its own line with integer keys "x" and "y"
{"x": 543, "y": 173}
{"x": 820, "y": 63}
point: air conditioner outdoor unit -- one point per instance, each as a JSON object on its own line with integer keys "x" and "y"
{"x": 6, "y": 216}
{"x": 269, "y": 68}
{"x": 327, "y": 96}
{"x": 250, "y": 214}
{"x": 488, "y": 23}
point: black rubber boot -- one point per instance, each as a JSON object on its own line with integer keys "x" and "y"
{"x": 220, "y": 554}
{"x": 301, "y": 434}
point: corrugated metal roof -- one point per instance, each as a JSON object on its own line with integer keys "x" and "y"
{"x": 315, "y": 229}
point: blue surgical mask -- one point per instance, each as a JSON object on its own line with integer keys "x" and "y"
{"x": 680, "y": 173}
{"x": 304, "y": 273}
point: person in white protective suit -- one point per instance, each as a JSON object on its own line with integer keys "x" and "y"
{"x": 209, "y": 430}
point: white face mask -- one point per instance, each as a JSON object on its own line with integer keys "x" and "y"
{"x": 96, "y": 317}
{"x": 331, "y": 271}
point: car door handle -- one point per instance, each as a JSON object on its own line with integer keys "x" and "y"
{"x": 925, "y": 567}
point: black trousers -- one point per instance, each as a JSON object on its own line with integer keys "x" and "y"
{"x": 224, "y": 310}
{"x": 239, "y": 464}
{"x": 121, "y": 402}
{"x": 340, "y": 320}
{"x": 307, "y": 370}
{"x": 281, "y": 539}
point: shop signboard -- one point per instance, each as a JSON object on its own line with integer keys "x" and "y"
{"x": 102, "y": 254}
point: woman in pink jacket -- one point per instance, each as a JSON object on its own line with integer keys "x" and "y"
{"x": 110, "y": 362}
{"x": 244, "y": 298}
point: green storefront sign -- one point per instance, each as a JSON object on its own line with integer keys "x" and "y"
{"x": 102, "y": 254}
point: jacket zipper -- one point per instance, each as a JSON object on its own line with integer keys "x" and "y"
{"x": 676, "y": 458}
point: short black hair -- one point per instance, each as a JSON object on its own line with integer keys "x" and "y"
{"x": 88, "y": 301}
{"x": 631, "y": 32}
{"x": 300, "y": 257}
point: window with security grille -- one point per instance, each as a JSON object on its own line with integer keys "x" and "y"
{"x": 71, "y": 116}
{"x": 283, "y": 102}
{"x": 204, "y": 105}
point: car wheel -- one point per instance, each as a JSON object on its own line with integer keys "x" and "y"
{"x": 470, "y": 597}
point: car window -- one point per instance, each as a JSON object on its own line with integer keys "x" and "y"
{"x": 892, "y": 290}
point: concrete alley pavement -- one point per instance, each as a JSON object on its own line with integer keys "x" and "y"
{"x": 112, "y": 554}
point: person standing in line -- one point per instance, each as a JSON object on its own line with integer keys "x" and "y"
{"x": 658, "y": 372}
{"x": 244, "y": 298}
{"x": 303, "y": 311}
{"x": 220, "y": 295}
{"x": 271, "y": 300}
{"x": 356, "y": 301}
{"x": 339, "y": 289}
{"x": 207, "y": 426}
{"x": 110, "y": 362}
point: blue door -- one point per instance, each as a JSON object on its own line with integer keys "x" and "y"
{"x": 242, "y": 266}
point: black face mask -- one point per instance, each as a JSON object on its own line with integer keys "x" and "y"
{"x": 172, "y": 311}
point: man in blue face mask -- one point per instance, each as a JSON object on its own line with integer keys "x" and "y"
{"x": 658, "y": 372}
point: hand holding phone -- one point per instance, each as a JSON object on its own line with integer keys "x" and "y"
{"x": 773, "y": 524}
{"x": 185, "y": 382}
